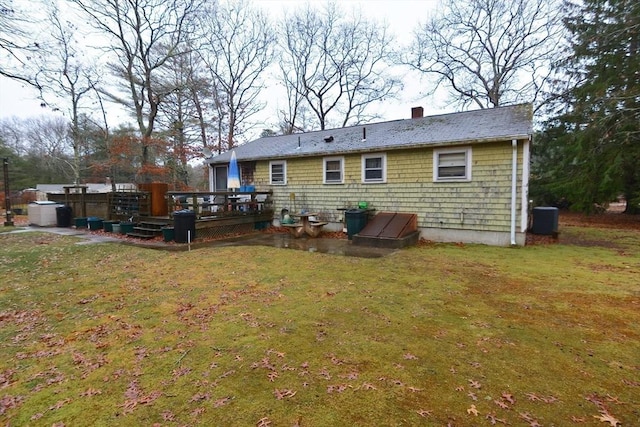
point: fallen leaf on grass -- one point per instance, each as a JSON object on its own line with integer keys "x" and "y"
{"x": 509, "y": 398}
{"x": 352, "y": 376}
{"x": 221, "y": 402}
{"x": 474, "y": 384}
{"x": 284, "y": 393}
{"x": 530, "y": 419}
{"x": 606, "y": 417}
{"x": 493, "y": 420}
{"x": 335, "y": 360}
{"x": 90, "y": 392}
{"x": 199, "y": 397}
{"x": 180, "y": 372}
{"x": 423, "y": 413}
{"x": 501, "y": 404}
{"x": 263, "y": 422}
{"x": 5, "y": 378}
{"x": 59, "y": 404}
{"x": 168, "y": 416}
{"x": 197, "y": 412}
{"x": 338, "y": 388}
{"x": 614, "y": 399}
{"x": 280, "y": 354}
{"x": 472, "y": 410}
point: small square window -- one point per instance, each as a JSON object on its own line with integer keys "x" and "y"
{"x": 278, "y": 173}
{"x": 333, "y": 170}
{"x": 452, "y": 165}
{"x": 374, "y": 168}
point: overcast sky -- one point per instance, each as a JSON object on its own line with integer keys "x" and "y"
{"x": 402, "y": 17}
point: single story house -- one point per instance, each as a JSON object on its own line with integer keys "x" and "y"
{"x": 464, "y": 174}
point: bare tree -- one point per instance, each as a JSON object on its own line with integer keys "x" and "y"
{"x": 489, "y": 52}
{"x": 335, "y": 65}
{"x": 144, "y": 34}
{"x": 183, "y": 112}
{"x": 239, "y": 48}
{"x": 64, "y": 77}
{"x": 16, "y": 45}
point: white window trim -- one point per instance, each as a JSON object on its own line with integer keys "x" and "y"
{"x": 284, "y": 171}
{"x": 364, "y": 158}
{"x": 324, "y": 170}
{"x": 436, "y": 163}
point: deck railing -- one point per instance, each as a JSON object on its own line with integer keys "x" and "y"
{"x": 217, "y": 204}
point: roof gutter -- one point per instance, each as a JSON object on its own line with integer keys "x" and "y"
{"x": 514, "y": 188}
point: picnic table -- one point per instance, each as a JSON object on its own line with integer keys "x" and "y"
{"x": 305, "y": 225}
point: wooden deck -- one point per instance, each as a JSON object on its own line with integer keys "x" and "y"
{"x": 223, "y": 212}
{"x": 217, "y": 213}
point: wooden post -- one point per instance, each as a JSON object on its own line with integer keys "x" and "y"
{"x": 7, "y": 194}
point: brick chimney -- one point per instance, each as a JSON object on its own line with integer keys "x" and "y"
{"x": 417, "y": 112}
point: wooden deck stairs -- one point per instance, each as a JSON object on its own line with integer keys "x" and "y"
{"x": 149, "y": 228}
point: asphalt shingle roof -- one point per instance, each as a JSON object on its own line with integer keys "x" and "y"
{"x": 502, "y": 123}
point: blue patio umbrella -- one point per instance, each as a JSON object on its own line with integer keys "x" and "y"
{"x": 233, "y": 175}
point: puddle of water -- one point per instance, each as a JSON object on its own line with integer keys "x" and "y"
{"x": 342, "y": 247}
{"x": 328, "y": 246}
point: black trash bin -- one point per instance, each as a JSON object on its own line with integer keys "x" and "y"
{"x": 63, "y": 216}
{"x": 356, "y": 220}
{"x": 184, "y": 226}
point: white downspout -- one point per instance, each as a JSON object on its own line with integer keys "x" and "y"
{"x": 524, "y": 186}
{"x": 211, "y": 183}
{"x": 514, "y": 188}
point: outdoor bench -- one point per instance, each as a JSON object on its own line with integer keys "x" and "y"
{"x": 312, "y": 228}
{"x": 296, "y": 230}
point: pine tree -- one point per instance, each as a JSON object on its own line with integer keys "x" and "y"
{"x": 594, "y": 138}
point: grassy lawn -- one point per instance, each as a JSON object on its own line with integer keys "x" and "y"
{"x": 438, "y": 334}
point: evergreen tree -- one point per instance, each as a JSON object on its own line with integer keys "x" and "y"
{"x": 593, "y": 142}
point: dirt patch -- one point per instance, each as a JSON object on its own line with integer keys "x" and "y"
{"x": 614, "y": 218}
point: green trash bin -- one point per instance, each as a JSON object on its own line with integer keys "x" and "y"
{"x": 108, "y": 226}
{"x": 356, "y": 220}
{"x": 81, "y": 222}
{"x": 167, "y": 233}
{"x": 94, "y": 223}
{"x": 126, "y": 227}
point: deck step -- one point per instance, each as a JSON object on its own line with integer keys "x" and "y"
{"x": 150, "y": 230}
